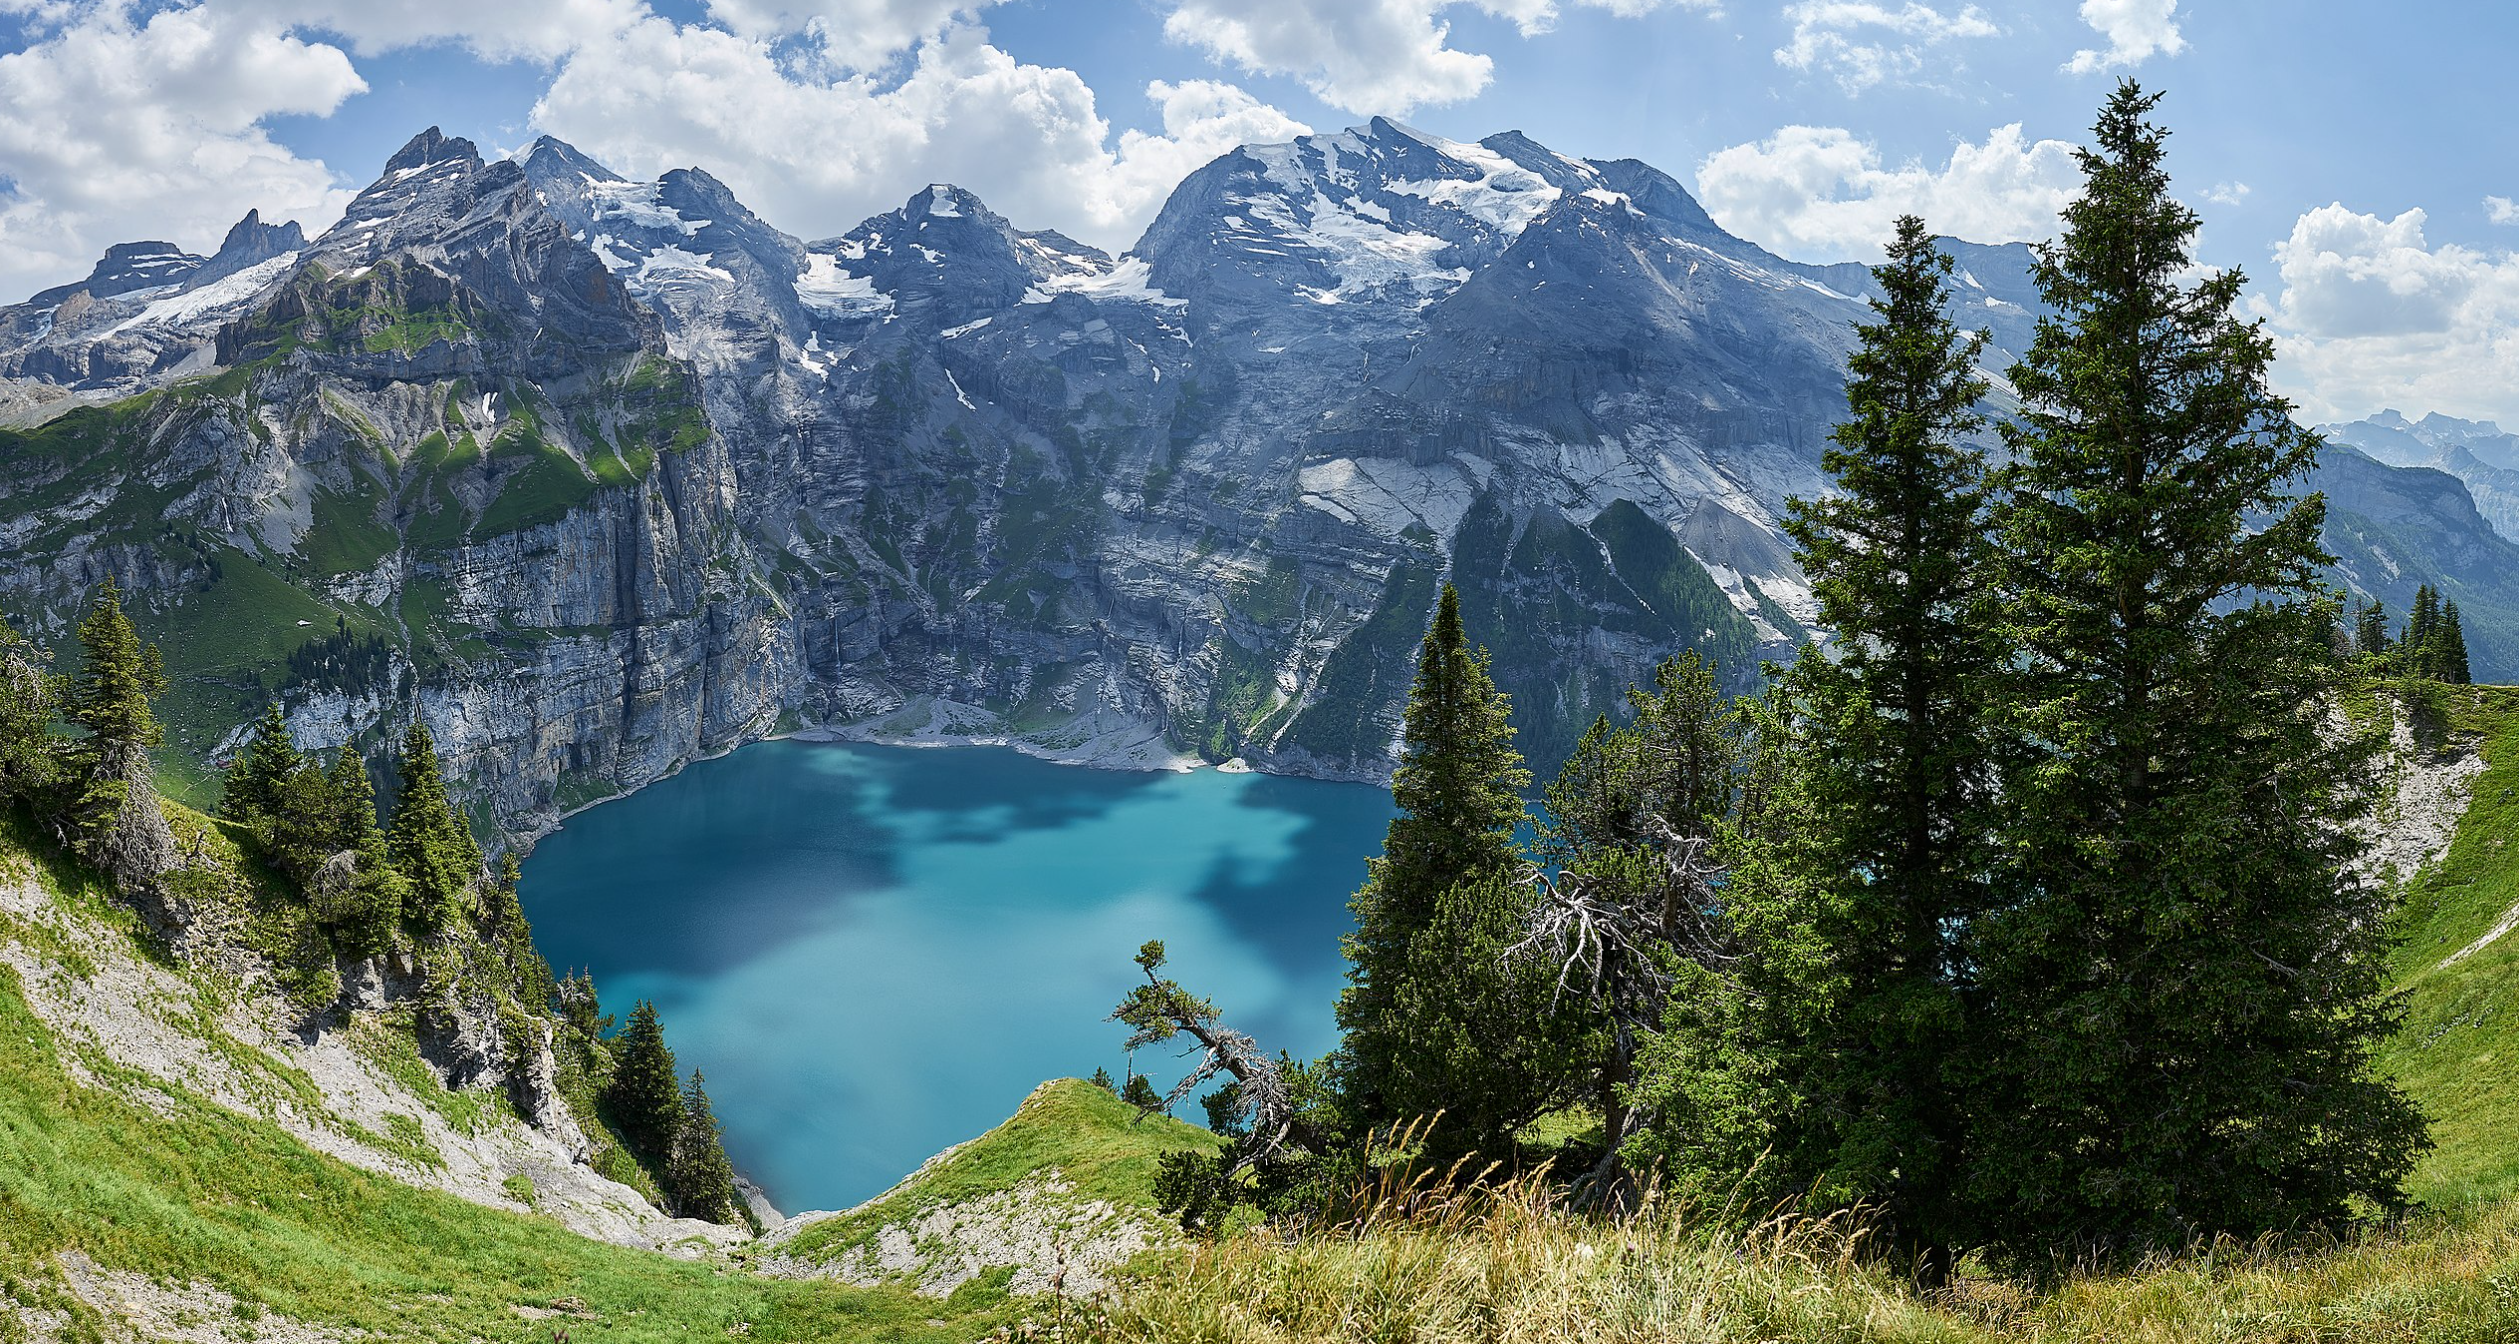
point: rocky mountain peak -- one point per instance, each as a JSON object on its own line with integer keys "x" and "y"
{"x": 430, "y": 148}
{"x": 140, "y": 265}
{"x": 550, "y": 157}
{"x": 249, "y": 243}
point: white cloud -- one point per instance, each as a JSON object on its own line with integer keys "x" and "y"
{"x": 2372, "y": 314}
{"x": 2500, "y": 210}
{"x": 497, "y": 30}
{"x": 2227, "y": 193}
{"x": 814, "y": 156}
{"x": 1368, "y": 56}
{"x": 112, "y": 130}
{"x": 856, "y": 34}
{"x": 1359, "y": 55}
{"x": 1817, "y": 193}
{"x": 2136, "y": 31}
{"x": 1863, "y": 44}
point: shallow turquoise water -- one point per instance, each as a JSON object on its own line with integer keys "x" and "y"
{"x": 874, "y": 952}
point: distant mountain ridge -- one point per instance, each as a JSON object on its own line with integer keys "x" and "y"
{"x": 602, "y": 475}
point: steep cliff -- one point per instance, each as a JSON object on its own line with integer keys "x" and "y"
{"x": 601, "y": 476}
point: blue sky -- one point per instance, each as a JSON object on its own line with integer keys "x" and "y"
{"x": 2355, "y": 159}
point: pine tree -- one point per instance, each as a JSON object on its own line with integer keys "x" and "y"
{"x": 121, "y": 677}
{"x": 644, "y": 1098}
{"x": 365, "y": 906}
{"x": 252, "y": 791}
{"x": 2451, "y": 640}
{"x": 299, "y": 816}
{"x": 30, "y": 697}
{"x": 114, "y": 819}
{"x": 2183, "y": 982}
{"x": 2370, "y": 630}
{"x": 700, "y": 1182}
{"x": 1897, "y": 768}
{"x": 2419, "y": 628}
{"x": 1458, "y": 791}
{"x": 432, "y": 844}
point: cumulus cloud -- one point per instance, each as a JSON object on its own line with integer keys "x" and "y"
{"x": 816, "y": 155}
{"x": 855, "y": 34}
{"x": 1863, "y": 44}
{"x": 2373, "y": 314}
{"x": 497, "y": 30}
{"x": 2500, "y": 210}
{"x": 114, "y": 130}
{"x": 1818, "y": 193}
{"x": 2136, "y": 31}
{"x": 1368, "y": 56}
{"x": 2227, "y": 193}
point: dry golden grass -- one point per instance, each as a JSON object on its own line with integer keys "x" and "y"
{"x": 1508, "y": 1265}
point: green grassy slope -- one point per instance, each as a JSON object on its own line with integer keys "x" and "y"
{"x": 2458, "y": 1053}
{"x": 1073, "y": 1132}
{"x": 182, "y": 1191}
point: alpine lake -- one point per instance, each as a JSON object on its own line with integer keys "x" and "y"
{"x": 873, "y": 952}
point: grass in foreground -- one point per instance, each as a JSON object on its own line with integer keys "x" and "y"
{"x": 1516, "y": 1271}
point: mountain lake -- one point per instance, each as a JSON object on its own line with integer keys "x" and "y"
{"x": 873, "y": 952}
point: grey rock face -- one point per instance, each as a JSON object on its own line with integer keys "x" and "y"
{"x": 603, "y": 476}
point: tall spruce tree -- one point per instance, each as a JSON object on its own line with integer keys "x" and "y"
{"x": 30, "y": 698}
{"x": 364, "y": 906}
{"x": 432, "y": 844}
{"x": 114, "y": 819}
{"x": 2184, "y": 981}
{"x": 700, "y": 1181}
{"x": 2419, "y": 628}
{"x": 251, "y": 793}
{"x": 2370, "y": 630}
{"x": 644, "y": 1097}
{"x": 2451, "y": 641}
{"x": 1897, "y": 770}
{"x": 1458, "y": 791}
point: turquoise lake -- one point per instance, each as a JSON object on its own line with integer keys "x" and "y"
{"x": 873, "y": 952}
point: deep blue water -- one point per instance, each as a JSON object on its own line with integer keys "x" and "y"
{"x": 874, "y": 952}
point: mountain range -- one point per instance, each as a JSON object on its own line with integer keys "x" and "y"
{"x": 601, "y": 476}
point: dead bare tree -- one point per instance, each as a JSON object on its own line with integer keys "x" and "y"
{"x": 1618, "y": 931}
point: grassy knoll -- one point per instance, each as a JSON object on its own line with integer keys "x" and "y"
{"x": 1087, "y": 1139}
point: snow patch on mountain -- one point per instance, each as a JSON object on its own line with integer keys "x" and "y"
{"x": 826, "y": 288}
{"x": 639, "y": 203}
{"x": 1126, "y": 281}
{"x": 227, "y": 292}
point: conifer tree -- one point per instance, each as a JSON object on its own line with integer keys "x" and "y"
{"x": 1896, "y": 772}
{"x": 2183, "y": 980}
{"x": 2419, "y": 628}
{"x": 299, "y": 817}
{"x": 644, "y": 1097}
{"x": 114, "y": 819}
{"x": 252, "y": 791}
{"x": 1458, "y": 791}
{"x": 2370, "y": 630}
{"x": 121, "y": 677}
{"x": 30, "y": 697}
{"x": 700, "y": 1181}
{"x": 365, "y": 905}
{"x": 432, "y": 844}
{"x": 2451, "y": 640}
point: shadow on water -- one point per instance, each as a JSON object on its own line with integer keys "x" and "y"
{"x": 1296, "y": 905}
{"x": 980, "y": 793}
{"x": 696, "y": 874}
